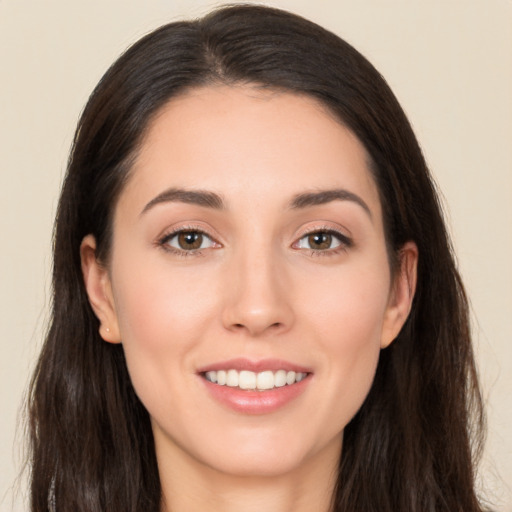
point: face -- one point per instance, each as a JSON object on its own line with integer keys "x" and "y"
{"x": 249, "y": 281}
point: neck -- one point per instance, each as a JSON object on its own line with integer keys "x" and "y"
{"x": 189, "y": 486}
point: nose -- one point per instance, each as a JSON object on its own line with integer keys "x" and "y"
{"x": 258, "y": 296}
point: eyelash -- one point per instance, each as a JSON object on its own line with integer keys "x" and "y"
{"x": 345, "y": 242}
{"x": 163, "y": 242}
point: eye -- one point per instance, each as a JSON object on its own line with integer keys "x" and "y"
{"x": 190, "y": 240}
{"x": 322, "y": 241}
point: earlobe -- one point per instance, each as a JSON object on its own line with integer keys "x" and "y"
{"x": 99, "y": 290}
{"x": 402, "y": 294}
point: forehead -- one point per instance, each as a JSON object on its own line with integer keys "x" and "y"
{"x": 244, "y": 142}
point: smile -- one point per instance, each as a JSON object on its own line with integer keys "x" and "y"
{"x": 248, "y": 380}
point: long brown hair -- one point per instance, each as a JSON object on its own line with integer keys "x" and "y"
{"x": 413, "y": 444}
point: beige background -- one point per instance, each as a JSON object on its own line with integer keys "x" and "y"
{"x": 448, "y": 61}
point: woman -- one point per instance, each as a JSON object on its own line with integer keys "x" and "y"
{"x": 255, "y": 304}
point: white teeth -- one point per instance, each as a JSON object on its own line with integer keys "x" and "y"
{"x": 232, "y": 378}
{"x": 250, "y": 380}
{"x": 265, "y": 380}
{"x": 280, "y": 379}
{"x": 212, "y": 376}
{"x": 221, "y": 377}
{"x": 246, "y": 380}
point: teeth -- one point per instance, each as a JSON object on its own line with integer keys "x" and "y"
{"x": 232, "y": 378}
{"x": 251, "y": 380}
{"x": 246, "y": 380}
{"x": 265, "y": 380}
{"x": 280, "y": 378}
{"x": 290, "y": 378}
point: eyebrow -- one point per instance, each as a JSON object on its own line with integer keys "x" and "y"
{"x": 326, "y": 196}
{"x": 212, "y": 200}
{"x": 179, "y": 195}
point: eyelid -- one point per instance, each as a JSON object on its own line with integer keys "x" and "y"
{"x": 343, "y": 233}
{"x": 162, "y": 240}
{"x": 169, "y": 240}
{"x": 345, "y": 240}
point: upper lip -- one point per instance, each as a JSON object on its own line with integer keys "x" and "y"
{"x": 255, "y": 366}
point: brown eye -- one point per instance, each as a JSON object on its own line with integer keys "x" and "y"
{"x": 323, "y": 241}
{"x": 320, "y": 241}
{"x": 190, "y": 240}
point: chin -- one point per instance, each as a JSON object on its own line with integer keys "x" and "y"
{"x": 261, "y": 465}
{"x": 264, "y": 455}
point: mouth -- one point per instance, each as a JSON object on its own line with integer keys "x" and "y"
{"x": 254, "y": 381}
{"x": 255, "y": 387}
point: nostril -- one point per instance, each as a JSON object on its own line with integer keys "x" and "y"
{"x": 256, "y": 329}
{"x": 256, "y": 315}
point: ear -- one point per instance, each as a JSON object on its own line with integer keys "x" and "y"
{"x": 99, "y": 290}
{"x": 401, "y": 295}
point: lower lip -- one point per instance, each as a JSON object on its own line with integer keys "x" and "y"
{"x": 256, "y": 402}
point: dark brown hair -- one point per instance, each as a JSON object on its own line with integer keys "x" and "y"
{"x": 413, "y": 444}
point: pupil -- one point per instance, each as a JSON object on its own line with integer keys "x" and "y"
{"x": 320, "y": 240}
{"x": 190, "y": 240}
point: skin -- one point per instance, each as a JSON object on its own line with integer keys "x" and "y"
{"x": 258, "y": 290}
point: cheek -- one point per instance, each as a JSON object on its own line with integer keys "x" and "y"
{"x": 156, "y": 303}
{"x": 347, "y": 321}
{"x": 348, "y": 306}
{"x": 162, "y": 316}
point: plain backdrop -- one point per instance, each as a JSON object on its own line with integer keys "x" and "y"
{"x": 448, "y": 61}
